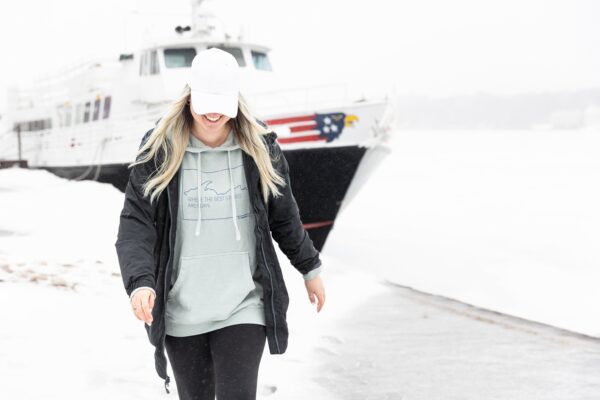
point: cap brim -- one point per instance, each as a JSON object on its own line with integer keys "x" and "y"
{"x": 205, "y": 103}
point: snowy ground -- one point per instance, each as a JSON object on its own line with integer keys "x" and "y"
{"x": 504, "y": 220}
{"x": 67, "y": 329}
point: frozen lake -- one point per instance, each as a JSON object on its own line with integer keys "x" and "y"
{"x": 507, "y": 220}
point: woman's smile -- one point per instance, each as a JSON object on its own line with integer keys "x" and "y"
{"x": 213, "y": 118}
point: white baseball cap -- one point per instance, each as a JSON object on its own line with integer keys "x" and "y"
{"x": 214, "y": 78}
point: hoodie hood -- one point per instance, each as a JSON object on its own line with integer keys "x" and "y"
{"x": 198, "y": 147}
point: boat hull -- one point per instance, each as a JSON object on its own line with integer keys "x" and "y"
{"x": 319, "y": 176}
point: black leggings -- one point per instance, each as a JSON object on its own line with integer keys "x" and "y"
{"x": 223, "y": 362}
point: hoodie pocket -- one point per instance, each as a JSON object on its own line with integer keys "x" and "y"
{"x": 210, "y": 287}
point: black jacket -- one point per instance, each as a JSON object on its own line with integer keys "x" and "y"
{"x": 146, "y": 239}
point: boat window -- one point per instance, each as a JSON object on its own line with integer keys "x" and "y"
{"x": 179, "y": 58}
{"x": 261, "y": 61}
{"x": 106, "y": 109}
{"x": 59, "y": 115}
{"x": 154, "y": 70}
{"x": 149, "y": 63}
{"x": 68, "y": 116}
{"x": 143, "y": 64}
{"x": 63, "y": 116}
{"x": 30, "y": 126}
{"x": 86, "y": 112}
{"x": 78, "y": 113}
{"x": 234, "y": 51}
{"x": 96, "y": 109}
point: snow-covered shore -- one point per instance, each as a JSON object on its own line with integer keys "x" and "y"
{"x": 67, "y": 328}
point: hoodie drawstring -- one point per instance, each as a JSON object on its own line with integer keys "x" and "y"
{"x": 199, "y": 176}
{"x": 232, "y": 192}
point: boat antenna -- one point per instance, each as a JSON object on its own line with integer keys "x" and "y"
{"x": 203, "y": 19}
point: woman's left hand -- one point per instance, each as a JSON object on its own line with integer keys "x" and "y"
{"x": 315, "y": 288}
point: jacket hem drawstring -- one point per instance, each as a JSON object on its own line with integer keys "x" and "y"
{"x": 167, "y": 380}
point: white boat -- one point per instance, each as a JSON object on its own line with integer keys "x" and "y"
{"x": 85, "y": 121}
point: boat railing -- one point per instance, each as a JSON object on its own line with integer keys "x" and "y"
{"x": 69, "y": 71}
{"x": 305, "y": 97}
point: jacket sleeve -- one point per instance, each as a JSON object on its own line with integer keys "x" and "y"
{"x": 137, "y": 236}
{"x": 286, "y": 226}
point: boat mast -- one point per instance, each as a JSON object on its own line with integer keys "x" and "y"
{"x": 203, "y": 19}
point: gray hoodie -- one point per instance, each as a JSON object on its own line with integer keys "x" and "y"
{"x": 215, "y": 261}
{"x": 214, "y": 273}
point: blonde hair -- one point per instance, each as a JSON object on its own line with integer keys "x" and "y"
{"x": 171, "y": 137}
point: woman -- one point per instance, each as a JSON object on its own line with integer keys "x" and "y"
{"x": 209, "y": 187}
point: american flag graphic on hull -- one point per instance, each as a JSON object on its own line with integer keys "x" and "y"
{"x": 314, "y": 127}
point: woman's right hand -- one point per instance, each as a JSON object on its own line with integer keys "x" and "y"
{"x": 142, "y": 303}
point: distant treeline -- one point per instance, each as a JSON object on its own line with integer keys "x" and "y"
{"x": 553, "y": 110}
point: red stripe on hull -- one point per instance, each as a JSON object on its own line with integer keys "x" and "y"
{"x": 309, "y": 138}
{"x": 303, "y": 128}
{"x": 321, "y": 224}
{"x": 289, "y": 120}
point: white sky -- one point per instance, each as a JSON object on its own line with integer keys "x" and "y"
{"x": 420, "y": 46}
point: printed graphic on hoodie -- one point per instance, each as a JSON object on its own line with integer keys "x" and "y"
{"x": 215, "y": 192}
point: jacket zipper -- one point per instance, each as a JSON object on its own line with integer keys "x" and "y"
{"x": 272, "y": 294}
{"x": 167, "y": 284}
